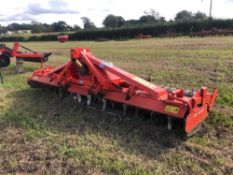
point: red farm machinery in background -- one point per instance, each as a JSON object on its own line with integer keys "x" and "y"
{"x": 28, "y": 55}
{"x": 62, "y": 38}
{"x": 92, "y": 81}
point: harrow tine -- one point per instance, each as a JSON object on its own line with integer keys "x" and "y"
{"x": 112, "y": 105}
{"x": 74, "y": 96}
{"x": 88, "y": 100}
{"x": 60, "y": 93}
{"x": 54, "y": 92}
{"x": 104, "y": 104}
{"x": 136, "y": 112}
{"x": 79, "y": 98}
{"x": 151, "y": 114}
{"x": 169, "y": 123}
{"x": 124, "y": 110}
{"x": 41, "y": 90}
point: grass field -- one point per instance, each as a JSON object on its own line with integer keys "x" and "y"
{"x": 42, "y": 134}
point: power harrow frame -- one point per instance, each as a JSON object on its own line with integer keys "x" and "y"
{"x": 85, "y": 76}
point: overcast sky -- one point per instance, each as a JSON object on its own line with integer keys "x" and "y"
{"x": 71, "y": 11}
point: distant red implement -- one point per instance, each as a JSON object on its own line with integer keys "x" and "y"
{"x": 141, "y": 36}
{"x": 27, "y": 55}
{"x": 62, "y": 38}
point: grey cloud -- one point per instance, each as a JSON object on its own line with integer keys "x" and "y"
{"x": 229, "y": 1}
{"x": 33, "y": 9}
{"x": 105, "y": 10}
{"x": 17, "y": 17}
{"x": 110, "y": 1}
{"x": 55, "y": 7}
{"x": 90, "y": 9}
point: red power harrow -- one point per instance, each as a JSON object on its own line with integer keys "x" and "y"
{"x": 88, "y": 78}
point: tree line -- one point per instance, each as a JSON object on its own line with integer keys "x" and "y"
{"x": 124, "y": 33}
{"x": 111, "y": 21}
{"x": 151, "y": 17}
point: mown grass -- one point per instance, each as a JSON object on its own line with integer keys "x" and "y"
{"x": 43, "y": 134}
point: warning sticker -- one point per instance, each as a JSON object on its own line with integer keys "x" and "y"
{"x": 144, "y": 82}
{"x": 172, "y": 109}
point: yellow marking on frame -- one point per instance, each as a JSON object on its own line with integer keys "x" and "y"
{"x": 144, "y": 82}
{"x": 172, "y": 109}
